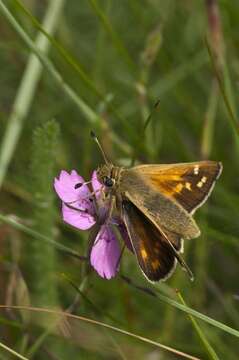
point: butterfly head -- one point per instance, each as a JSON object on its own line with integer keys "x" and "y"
{"x": 109, "y": 175}
{"x": 105, "y": 175}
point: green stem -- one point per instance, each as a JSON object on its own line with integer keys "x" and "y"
{"x": 38, "y": 236}
{"x": 63, "y": 314}
{"x": 113, "y": 35}
{"x": 26, "y": 91}
{"x": 208, "y": 128}
{"x": 202, "y": 337}
{"x": 199, "y": 315}
{"x": 92, "y": 117}
{"x": 19, "y": 356}
{"x": 232, "y": 116}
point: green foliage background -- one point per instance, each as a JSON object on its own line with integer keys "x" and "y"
{"x": 120, "y": 57}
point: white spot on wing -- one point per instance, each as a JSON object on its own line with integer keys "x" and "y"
{"x": 199, "y": 184}
{"x": 196, "y": 170}
{"x": 210, "y": 190}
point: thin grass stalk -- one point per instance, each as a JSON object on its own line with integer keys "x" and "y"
{"x": 227, "y": 303}
{"x": 211, "y": 352}
{"x": 226, "y": 350}
{"x": 147, "y": 59}
{"x": 170, "y": 316}
{"x": 219, "y": 48}
{"x": 100, "y": 44}
{"x": 201, "y": 263}
{"x": 209, "y": 122}
{"x": 97, "y": 310}
{"x": 199, "y": 315}
{"x": 180, "y": 73}
{"x": 11, "y": 351}
{"x": 208, "y": 130}
{"x": 63, "y": 314}
{"x": 74, "y": 63}
{"x": 27, "y": 88}
{"x": 202, "y": 249}
{"x": 216, "y": 49}
{"x": 91, "y": 116}
{"x": 121, "y": 353}
{"x": 89, "y": 113}
{"x": 42, "y": 263}
{"x": 37, "y": 236}
{"x": 156, "y": 293}
{"x": 231, "y": 115}
{"x": 116, "y": 41}
{"x": 161, "y": 297}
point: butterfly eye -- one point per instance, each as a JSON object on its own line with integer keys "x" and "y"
{"x": 108, "y": 181}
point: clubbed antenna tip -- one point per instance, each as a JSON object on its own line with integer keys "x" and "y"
{"x": 156, "y": 105}
{"x": 94, "y": 137}
{"x": 92, "y": 134}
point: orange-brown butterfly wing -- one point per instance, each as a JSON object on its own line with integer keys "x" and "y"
{"x": 188, "y": 184}
{"x": 155, "y": 256}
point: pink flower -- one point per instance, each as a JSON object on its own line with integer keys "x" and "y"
{"x": 82, "y": 210}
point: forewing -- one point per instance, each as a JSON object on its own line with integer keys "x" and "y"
{"x": 188, "y": 184}
{"x": 164, "y": 213}
{"x": 155, "y": 256}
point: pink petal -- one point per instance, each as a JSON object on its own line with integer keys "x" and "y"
{"x": 105, "y": 253}
{"x": 79, "y": 219}
{"x": 97, "y": 186}
{"x": 65, "y": 186}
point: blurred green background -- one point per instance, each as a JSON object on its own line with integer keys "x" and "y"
{"x": 112, "y": 61}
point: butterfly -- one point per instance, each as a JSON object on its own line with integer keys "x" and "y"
{"x": 156, "y": 204}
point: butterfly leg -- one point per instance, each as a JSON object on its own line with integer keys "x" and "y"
{"x": 92, "y": 236}
{"x": 119, "y": 206}
{"x": 74, "y": 208}
{"x": 121, "y": 254}
{"x": 111, "y": 209}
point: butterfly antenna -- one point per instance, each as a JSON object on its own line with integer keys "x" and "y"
{"x": 145, "y": 125}
{"x": 147, "y": 121}
{"x": 94, "y": 137}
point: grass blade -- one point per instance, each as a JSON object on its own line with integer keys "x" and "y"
{"x": 91, "y": 116}
{"x": 26, "y": 91}
{"x": 11, "y": 351}
{"x": 113, "y": 35}
{"x": 107, "y": 326}
{"x": 36, "y": 235}
{"x": 232, "y": 117}
{"x": 202, "y": 337}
